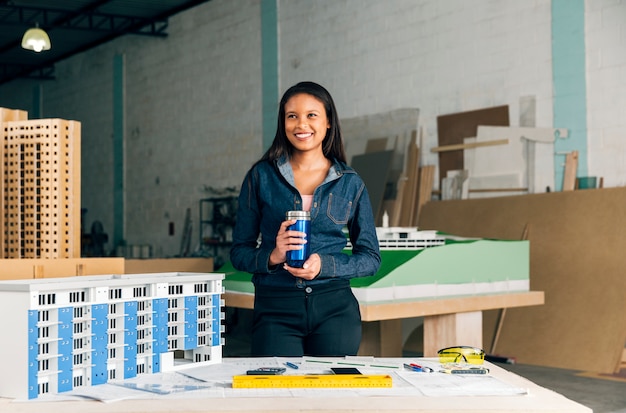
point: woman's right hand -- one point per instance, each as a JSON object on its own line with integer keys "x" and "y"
{"x": 286, "y": 241}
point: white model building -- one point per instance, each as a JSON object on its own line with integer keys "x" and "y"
{"x": 63, "y": 333}
{"x": 391, "y": 238}
{"x": 405, "y": 238}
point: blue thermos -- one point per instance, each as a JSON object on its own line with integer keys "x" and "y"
{"x": 296, "y": 258}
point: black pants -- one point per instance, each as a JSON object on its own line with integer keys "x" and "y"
{"x": 314, "y": 321}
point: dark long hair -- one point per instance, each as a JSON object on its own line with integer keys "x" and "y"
{"x": 332, "y": 146}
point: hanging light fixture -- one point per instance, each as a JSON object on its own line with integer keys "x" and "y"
{"x": 36, "y": 39}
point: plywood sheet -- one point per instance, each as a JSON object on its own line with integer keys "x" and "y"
{"x": 361, "y": 133}
{"x": 453, "y": 128}
{"x": 26, "y": 268}
{"x": 168, "y": 265}
{"x": 374, "y": 169}
{"x": 376, "y": 145}
{"x": 575, "y": 243}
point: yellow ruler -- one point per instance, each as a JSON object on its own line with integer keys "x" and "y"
{"x": 311, "y": 380}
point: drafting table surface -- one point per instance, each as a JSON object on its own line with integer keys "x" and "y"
{"x": 534, "y": 398}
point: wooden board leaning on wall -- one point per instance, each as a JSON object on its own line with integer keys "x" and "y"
{"x": 575, "y": 243}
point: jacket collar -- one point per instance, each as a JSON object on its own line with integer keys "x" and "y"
{"x": 284, "y": 167}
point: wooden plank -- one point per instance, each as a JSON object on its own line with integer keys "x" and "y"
{"x": 569, "y": 175}
{"x": 26, "y": 268}
{"x": 438, "y": 306}
{"x": 453, "y": 128}
{"x": 191, "y": 264}
{"x": 410, "y": 185}
{"x": 496, "y": 335}
{"x": 408, "y": 309}
{"x": 469, "y": 145}
{"x": 381, "y": 338}
{"x": 498, "y": 190}
{"x": 426, "y": 178}
{"x": 449, "y": 330}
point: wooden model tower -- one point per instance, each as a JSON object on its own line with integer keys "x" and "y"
{"x": 40, "y": 187}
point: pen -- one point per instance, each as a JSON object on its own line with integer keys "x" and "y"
{"x": 289, "y": 364}
{"x": 417, "y": 367}
{"x": 413, "y": 367}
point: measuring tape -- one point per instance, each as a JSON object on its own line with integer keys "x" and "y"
{"x": 311, "y": 380}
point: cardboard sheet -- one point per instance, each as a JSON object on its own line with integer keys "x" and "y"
{"x": 576, "y": 243}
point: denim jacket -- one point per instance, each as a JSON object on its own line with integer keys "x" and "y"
{"x": 341, "y": 201}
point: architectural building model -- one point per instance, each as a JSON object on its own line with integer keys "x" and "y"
{"x": 406, "y": 238}
{"x": 40, "y": 178}
{"x": 64, "y": 333}
{"x": 390, "y": 238}
{"x": 418, "y": 265}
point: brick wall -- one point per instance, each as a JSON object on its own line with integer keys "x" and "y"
{"x": 605, "y": 27}
{"x": 194, "y": 100}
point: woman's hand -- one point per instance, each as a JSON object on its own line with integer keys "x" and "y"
{"x": 286, "y": 241}
{"x": 309, "y": 270}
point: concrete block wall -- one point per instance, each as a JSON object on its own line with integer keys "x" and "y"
{"x": 605, "y": 34}
{"x": 193, "y": 101}
{"x": 193, "y": 118}
{"x": 439, "y": 56}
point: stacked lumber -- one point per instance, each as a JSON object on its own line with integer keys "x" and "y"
{"x": 413, "y": 189}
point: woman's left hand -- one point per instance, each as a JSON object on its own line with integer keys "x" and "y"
{"x": 309, "y": 270}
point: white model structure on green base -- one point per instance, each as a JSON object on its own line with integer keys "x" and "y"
{"x": 64, "y": 333}
{"x": 457, "y": 267}
{"x": 419, "y": 265}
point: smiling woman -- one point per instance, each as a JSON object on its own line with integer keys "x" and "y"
{"x": 306, "y": 125}
{"x": 309, "y": 310}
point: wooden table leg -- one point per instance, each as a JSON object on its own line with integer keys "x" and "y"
{"x": 382, "y": 338}
{"x": 461, "y": 329}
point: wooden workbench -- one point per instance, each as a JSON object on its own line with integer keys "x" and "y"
{"x": 447, "y": 321}
{"x": 536, "y": 400}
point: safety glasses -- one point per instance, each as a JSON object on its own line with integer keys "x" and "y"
{"x": 461, "y": 354}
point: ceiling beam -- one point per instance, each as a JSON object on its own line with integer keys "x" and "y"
{"x": 87, "y": 18}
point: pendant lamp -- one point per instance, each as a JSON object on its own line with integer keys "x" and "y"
{"x": 36, "y": 39}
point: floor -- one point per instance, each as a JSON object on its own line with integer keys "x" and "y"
{"x": 600, "y": 394}
{"x": 603, "y": 395}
